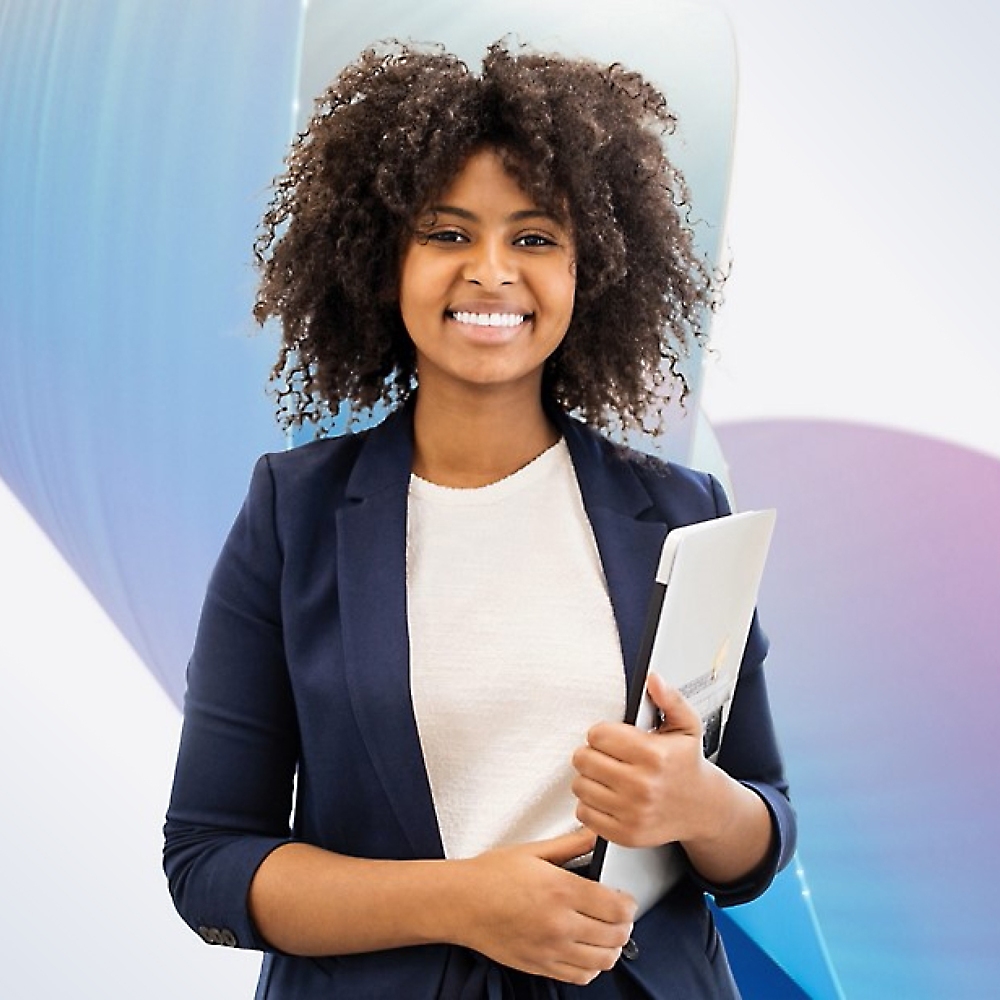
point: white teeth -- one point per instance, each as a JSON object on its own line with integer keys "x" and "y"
{"x": 490, "y": 319}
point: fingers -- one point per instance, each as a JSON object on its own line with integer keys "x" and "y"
{"x": 609, "y": 912}
{"x": 594, "y": 944}
{"x": 535, "y": 916}
{"x": 559, "y": 850}
{"x": 612, "y": 779}
{"x": 625, "y": 743}
{"x": 638, "y": 788}
{"x": 603, "y": 787}
{"x": 584, "y": 962}
{"x": 596, "y": 797}
{"x": 678, "y": 715}
{"x": 608, "y": 824}
{"x": 597, "y": 913}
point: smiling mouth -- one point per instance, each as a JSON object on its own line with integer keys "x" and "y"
{"x": 500, "y": 320}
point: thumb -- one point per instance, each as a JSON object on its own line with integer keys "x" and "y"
{"x": 678, "y": 715}
{"x": 559, "y": 850}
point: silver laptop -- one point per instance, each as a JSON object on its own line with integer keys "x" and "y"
{"x": 696, "y": 630}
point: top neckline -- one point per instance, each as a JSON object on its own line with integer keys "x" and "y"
{"x": 535, "y": 470}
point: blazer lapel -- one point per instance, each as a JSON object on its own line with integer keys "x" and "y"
{"x": 371, "y": 567}
{"x": 627, "y": 527}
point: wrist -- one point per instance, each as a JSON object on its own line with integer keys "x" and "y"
{"x": 735, "y": 835}
{"x": 722, "y": 800}
{"x": 451, "y": 913}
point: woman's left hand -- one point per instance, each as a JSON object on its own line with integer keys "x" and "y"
{"x": 641, "y": 789}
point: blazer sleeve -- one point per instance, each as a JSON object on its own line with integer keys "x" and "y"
{"x": 232, "y": 791}
{"x": 750, "y": 753}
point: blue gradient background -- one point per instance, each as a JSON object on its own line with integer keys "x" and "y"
{"x": 853, "y": 389}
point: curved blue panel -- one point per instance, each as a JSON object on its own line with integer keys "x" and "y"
{"x": 139, "y": 140}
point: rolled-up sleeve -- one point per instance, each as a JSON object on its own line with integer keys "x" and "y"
{"x": 750, "y": 753}
{"x": 232, "y": 792}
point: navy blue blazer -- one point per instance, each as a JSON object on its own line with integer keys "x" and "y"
{"x": 299, "y": 684}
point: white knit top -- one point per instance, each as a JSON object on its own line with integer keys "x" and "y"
{"x": 514, "y": 651}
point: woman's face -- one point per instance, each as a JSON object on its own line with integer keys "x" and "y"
{"x": 487, "y": 283}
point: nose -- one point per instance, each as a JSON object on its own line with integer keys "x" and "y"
{"x": 490, "y": 264}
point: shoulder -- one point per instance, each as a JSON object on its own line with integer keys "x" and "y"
{"x": 313, "y": 481}
{"x": 289, "y": 490}
{"x": 324, "y": 462}
{"x": 674, "y": 484}
{"x": 678, "y": 493}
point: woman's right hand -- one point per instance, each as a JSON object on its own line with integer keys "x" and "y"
{"x": 523, "y": 910}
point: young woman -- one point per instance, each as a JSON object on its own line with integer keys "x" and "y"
{"x": 417, "y": 637}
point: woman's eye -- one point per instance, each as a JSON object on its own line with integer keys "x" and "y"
{"x": 534, "y": 240}
{"x": 446, "y": 236}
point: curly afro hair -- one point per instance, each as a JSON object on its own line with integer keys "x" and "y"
{"x": 584, "y": 140}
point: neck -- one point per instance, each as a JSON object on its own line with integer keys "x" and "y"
{"x": 463, "y": 443}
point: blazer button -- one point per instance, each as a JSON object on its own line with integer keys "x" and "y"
{"x": 630, "y": 952}
{"x": 210, "y": 935}
{"x": 227, "y": 938}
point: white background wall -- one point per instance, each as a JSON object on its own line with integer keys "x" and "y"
{"x": 864, "y": 218}
{"x": 85, "y": 731}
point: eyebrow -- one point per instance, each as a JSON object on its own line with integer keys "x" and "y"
{"x": 462, "y": 213}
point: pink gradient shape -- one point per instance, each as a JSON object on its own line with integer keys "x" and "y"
{"x": 882, "y": 600}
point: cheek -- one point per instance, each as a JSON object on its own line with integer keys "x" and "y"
{"x": 413, "y": 291}
{"x": 424, "y": 278}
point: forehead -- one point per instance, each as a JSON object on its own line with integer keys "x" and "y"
{"x": 491, "y": 176}
{"x": 485, "y": 172}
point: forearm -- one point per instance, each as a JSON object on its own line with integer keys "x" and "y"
{"x": 737, "y": 833}
{"x": 514, "y": 904}
{"x": 308, "y": 901}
